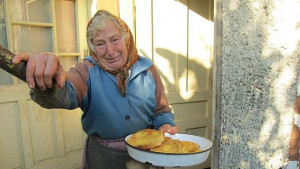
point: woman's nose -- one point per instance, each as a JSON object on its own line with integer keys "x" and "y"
{"x": 110, "y": 49}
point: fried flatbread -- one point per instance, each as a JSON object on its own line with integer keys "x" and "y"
{"x": 146, "y": 139}
{"x": 155, "y": 141}
{"x": 170, "y": 145}
{"x": 191, "y": 146}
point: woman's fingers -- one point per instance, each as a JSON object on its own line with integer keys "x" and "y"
{"x": 50, "y": 70}
{"x": 30, "y": 67}
{"x": 173, "y": 130}
{"x": 30, "y": 73}
{"x": 41, "y": 69}
{"x": 19, "y": 57}
{"x": 169, "y": 129}
{"x": 60, "y": 77}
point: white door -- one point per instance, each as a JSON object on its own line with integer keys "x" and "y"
{"x": 178, "y": 37}
{"x": 30, "y": 136}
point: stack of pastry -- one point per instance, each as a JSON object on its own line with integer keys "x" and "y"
{"x": 154, "y": 140}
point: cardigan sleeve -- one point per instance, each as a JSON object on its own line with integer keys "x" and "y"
{"x": 69, "y": 97}
{"x": 55, "y": 97}
{"x": 163, "y": 112}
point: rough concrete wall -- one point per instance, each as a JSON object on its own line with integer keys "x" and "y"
{"x": 260, "y": 52}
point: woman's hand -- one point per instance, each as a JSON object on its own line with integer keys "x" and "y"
{"x": 169, "y": 129}
{"x": 41, "y": 70}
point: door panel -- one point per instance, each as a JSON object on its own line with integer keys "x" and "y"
{"x": 5, "y": 77}
{"x": 22, "y": 34}
{"x": 31, "y": 136}
{"x": 144, "y": 28}
{"x": 41, "y": 129}
{"x": 9, "y": 136}
{"x": 31, "y": 10}
{"x": 66, "y": 31}
{"x": 178, "y": 37}
{"x": 169, "y": 43}
{"x": 72, "y": 127}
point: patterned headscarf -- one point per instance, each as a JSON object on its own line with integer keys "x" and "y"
{"x": 132, "y": 56}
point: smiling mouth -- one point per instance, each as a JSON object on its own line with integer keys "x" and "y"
{"x": 113, "y": 59}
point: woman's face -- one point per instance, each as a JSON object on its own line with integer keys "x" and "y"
{"x": 110, "y": 49}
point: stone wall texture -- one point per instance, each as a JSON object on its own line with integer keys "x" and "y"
{"x": 259, "y": 62}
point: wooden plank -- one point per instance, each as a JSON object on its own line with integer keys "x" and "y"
{"x": 191, "y": 110}
{"x": 193, "y": 123}
{"x": 71, "y": 125}
{"x": 126, "y": 9}
{"x": 65, "y": 27}
{"x": 9, "y": 146}
{"x": 182, "y": 51}
{"x": 200, "y": 42}
{"x": 25, "y": 134}
{"x": 41, "y": 130}
{"x": 70, "y": 161}
{"x": 109, "y": 5}
{"x": 58, "y": 132}
{"x": 186, "y": 97}
{"x": 144, "y": 28}
{"x": 170, "y": 43}
{"x": 35, "y": 24}
{"x": 10, "y": 93}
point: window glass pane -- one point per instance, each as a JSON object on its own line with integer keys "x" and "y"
{"x": 3, "y": 38}
{"x": 68, "y": 61}
{"x": 31, "y": 10}
{"x": 66, "y": 26}
{"x": 32, "y": 39}
{"x": 6, "y": 78}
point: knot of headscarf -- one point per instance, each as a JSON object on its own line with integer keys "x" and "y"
{"x": 121, "y": 74}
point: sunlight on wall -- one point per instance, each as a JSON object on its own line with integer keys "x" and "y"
{"x": 111, "y": 6}
{"x": 183, "y": 51}
{"x": 94, "y": 7}
{"x": 279, "y": 117}
{"x": 201, "y": 32}
{"x": 166, "y": 68}
{"x": 233, "y": 5}
{"x": 245, "y": 164}
{"x": 282, "y": 84}
{"x": 283, "y": 35}
{"x": 282, "y": 38}
{"x": 184, "y": 93}
{"x": 169, "y": 38}
{"x": 274, "y": 161}
{"x": 264, "y": 37}
{"x": 179, "y": 42}
{"x": 268, "y": 141}
{"x": 266, "y": 128}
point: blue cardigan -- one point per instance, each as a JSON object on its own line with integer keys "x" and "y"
{"x": 106, "y": 113}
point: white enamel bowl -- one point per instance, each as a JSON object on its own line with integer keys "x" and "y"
{"x": 173, "y": 160}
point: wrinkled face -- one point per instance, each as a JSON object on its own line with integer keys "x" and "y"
{"x": 109, "y": 46}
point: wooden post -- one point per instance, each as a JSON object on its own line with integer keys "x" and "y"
{"x": 6, "y": 64}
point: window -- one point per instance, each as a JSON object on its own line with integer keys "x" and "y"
{"x": 5, "y": 77}
{"x": 40, "y": 26}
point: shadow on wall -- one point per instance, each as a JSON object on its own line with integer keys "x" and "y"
{"x": 260, "y": 52}
{"x": 194, "y": 68}
{"x": 191, "y": 73}
{"x": 200, "y": 7}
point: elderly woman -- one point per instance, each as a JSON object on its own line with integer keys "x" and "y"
{"x": 118, "y": 91}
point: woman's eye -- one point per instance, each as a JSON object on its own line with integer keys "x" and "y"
{"x": 115, "y": 41}
{"x": 101, "y": 45}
